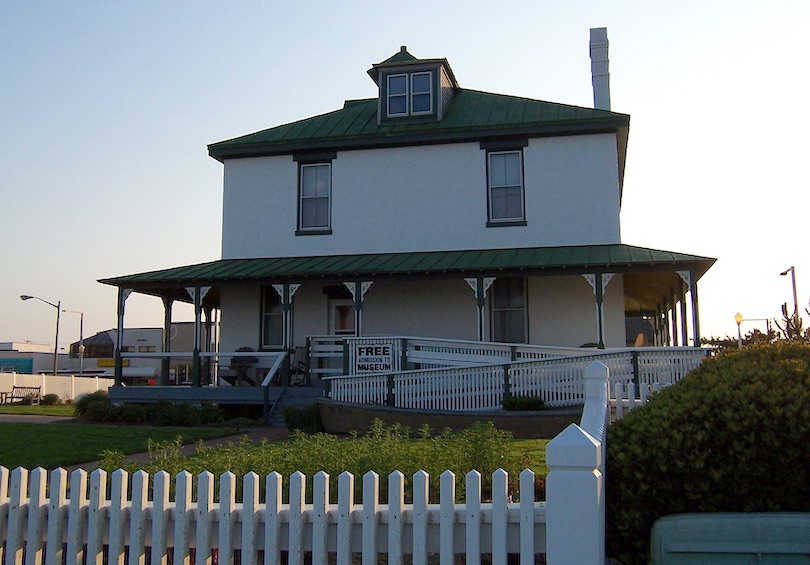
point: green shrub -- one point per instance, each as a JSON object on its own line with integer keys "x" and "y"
{"x": 94, "y": 406}
{"x": 98, "y": 408}
{"x": 524, "y": 403}
{"x": 50, "y": 400}
{"x": 306, "y": 419}
{"x": 732, "y": 436}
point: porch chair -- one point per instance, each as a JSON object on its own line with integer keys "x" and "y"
{"x": 299, "y": 367}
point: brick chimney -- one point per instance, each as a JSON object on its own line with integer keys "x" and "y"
{"x": 600, "y": 75}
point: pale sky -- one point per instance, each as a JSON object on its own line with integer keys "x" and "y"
{"x": 106, "y": 109}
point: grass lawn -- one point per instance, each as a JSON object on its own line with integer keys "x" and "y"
{"x": 60, "y": 410}
{"x": 61, "y": 444}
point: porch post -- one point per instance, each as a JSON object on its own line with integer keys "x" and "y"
{"x": 123, "y": 294}
{"x": 358, "y": 290}
{"x": 666, "y": 321}
{"x": 165, "y": 362}
{"x": 684, "y": 331}
{"x": 480, "y": 286}
{"x": 286, "y": 291}
{"x": 599, "y": 282}
{"x": 691, "y": 281}
{"x": 674, "y": 317}
{"x": 197, "y": 294}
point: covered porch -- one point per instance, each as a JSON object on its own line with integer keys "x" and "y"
{"x": 658, "y": 286}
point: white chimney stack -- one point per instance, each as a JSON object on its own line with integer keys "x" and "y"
{"x": 600, "y": 76}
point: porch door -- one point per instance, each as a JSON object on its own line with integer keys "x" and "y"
{"x": 341, "y": 317}
{"x": 508, "y": 300}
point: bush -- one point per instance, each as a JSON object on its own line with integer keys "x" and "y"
{"x": 98, "y": 408}
{"x": 93, "y": 406}
{"x": 50, "y": 400}
{"x": 730, "y": 437}
{"x": 306, "y": 419}
{"x": 524, "y": 403}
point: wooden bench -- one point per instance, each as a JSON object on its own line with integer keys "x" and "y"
{"x": 22, "y": 393}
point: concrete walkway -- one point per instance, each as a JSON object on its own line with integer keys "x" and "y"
{"x": 254, "y": 435}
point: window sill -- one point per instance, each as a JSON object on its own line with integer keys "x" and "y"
{"x": 505, "y": 223}
{"x": 325, "y": 231}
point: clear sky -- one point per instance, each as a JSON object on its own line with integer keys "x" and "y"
{"x": 106, "y": 109}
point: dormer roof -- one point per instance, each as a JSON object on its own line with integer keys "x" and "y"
{"x": 403, "y": 59}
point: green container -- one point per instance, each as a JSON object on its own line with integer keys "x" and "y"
{"x": 726, "y": 538}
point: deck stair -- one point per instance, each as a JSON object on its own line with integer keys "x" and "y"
{"x": 293, "y": 396}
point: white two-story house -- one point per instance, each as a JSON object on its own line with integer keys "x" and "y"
{"x": 437, "y": 211}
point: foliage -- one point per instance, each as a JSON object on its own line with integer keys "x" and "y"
{"x": 383, "y": 449}
{"x": 732, "y": 436}
{"x": 524, "y": 403}
{"x": 753, "y": 337}
{"x": 306, "y": 419}
{"x": 97, "y": 407}
{"x": 791, "y": 326}
{"x": 50, "y": 400}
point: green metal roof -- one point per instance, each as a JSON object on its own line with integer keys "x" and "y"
{"x": 534, "y": 260}
{"x": 471, "y": 116}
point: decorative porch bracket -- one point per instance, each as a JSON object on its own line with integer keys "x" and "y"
{"x": 599, "y": 293}
{"x": 123, "y": 294}
{"x": 358, "y": 290}
{"x": 286, "y": 291}
{"x": 480, "y": 286}
{"x": 197, "y": 295}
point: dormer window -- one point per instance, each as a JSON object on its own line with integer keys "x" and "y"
{"x": 410, "y": 94}
{"x": 411, "y": 89}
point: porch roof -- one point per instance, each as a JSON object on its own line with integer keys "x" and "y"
{"x": 614, "y": 258}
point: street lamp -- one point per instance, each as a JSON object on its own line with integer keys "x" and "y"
{"x": 58, "y": 307}
{"x": 81, "y": 339}
{"x": 792, "y": 271}
{"x": 738, "y": 318}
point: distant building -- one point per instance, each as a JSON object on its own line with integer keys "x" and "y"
{"x": 99, "y": 353}
{"x": 26, "y": 357}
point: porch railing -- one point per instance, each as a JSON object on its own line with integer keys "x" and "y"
{"x": 558, "y": 381}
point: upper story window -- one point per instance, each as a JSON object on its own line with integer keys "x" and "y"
{"x": 315, "y": 198}
{"x": 409, "y": 94}
{"x": 505, "y": 192}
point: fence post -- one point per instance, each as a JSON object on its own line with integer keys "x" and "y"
{"x": 390, "y": 399}
{"x": 507, "y": 383}
{"x": 575, "y": 506}
{"x": 636, "y": 376}
{"x": 575, "y": 489}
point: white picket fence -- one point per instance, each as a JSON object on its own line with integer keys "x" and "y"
{"x": 46, "y": 520}
{"x": 66, "y": 387}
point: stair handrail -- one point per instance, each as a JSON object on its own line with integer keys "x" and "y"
{"x": 274, "y": 369}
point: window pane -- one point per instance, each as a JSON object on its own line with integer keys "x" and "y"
{"x": 421, "y": 103}
{"x": 397, "y": 104}
{"x": 397, "y": 84}
{"x": 509, "y": 310}
{"x": 315, "y": 213}
{"x": 272, "y": 319}
{"x": 504, "y": 169}
{"x": 421, "y": 83}
{"x": 315, "y": 180}
{"x": 505, "y": 186}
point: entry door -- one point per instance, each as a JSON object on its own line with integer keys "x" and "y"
{"x": 341, "y": 317}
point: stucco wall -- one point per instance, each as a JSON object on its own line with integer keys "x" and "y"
{"x": 425, "y": 198}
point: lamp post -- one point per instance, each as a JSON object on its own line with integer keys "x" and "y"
{"x": 81, "y": 339}
{"x": 58, "y": 307}
{"x": 792, "y": 271}
{"x": 739, "y": 318}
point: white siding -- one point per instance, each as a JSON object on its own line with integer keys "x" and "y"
{"x": 562, "y": 311}
{"x": 444, "y": 309}
{"x": 241, "y": 308}
{"x": 429, "y": 198}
